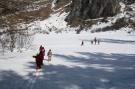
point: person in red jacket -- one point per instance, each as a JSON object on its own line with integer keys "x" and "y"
{"x": 40, "y": 48}
{"x": 39, "y": 59}
{"x": 42, "y": 52}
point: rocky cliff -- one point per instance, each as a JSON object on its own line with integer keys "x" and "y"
{"x": 25, "y": 11}
{"x": 128, "y": 1}
{"x": 91, "y": 9}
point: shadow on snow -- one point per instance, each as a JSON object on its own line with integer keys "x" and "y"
{"x": 118, "y": 41}
{"x": 113, "y": 41}
{"x": 11, "y": 80}
{"x": 90, "y": 77}
{"x": 95, "y": 76}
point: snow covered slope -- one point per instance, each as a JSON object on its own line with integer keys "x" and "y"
{"x": 109, "y": 65}
{"x": 54, "y": 23}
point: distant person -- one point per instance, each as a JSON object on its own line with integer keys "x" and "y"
{"x": 91, "y": 41}
{"x": 82, "y": 43}
{"x": 95, "y": 40}
{"x": 42, "y": 49}
{"x": 98, "y": 41}
{"x": 49, "y": 54}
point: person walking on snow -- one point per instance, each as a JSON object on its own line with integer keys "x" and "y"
{"x": 42, "y": 51}
{"x": 39, "y": 59}
{"x": 82, "y": 43}
{"x": 49, "y": 54}
{"x": 95, "y": 40}
{"x": 91, "y": 41}
{"x": 98, "y": 41}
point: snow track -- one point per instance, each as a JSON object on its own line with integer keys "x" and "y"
{"x": 32, "y": 81}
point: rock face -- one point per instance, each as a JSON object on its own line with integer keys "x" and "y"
{"x": 24, "y": 11}
{"x": 91, "y": 9}
{"x": 129, "y": 1}
{"x": 19, "y": 11}
{"x": 12, "y": 6}
{"x": 61, "y": 3}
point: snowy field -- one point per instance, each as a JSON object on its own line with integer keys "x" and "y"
{"x": 110, "y": 65}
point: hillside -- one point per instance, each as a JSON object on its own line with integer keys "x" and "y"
{"x": 28, "y": 17}
{"x": 14, "y": 12}
{"x": 92, "y": 44}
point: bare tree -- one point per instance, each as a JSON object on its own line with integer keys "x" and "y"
{"x": 4, "y": 41}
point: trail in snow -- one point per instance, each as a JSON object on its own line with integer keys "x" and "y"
{"x": 32, "y": 81}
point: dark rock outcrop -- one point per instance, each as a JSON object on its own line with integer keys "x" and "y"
{"x": 91, "y": 9}
{"x": 129, "y": 1}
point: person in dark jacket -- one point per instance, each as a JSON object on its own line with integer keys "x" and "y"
{"x": 98, "y": 41}
{"x": 95, "y": 40}
{"x": 39, "y": 59}
{"x": 91, "y": 41}
{"x": 82, "y": 43}
{"x": 42, "y": 52}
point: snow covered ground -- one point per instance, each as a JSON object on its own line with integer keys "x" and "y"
{"x": 110, "y": 65}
